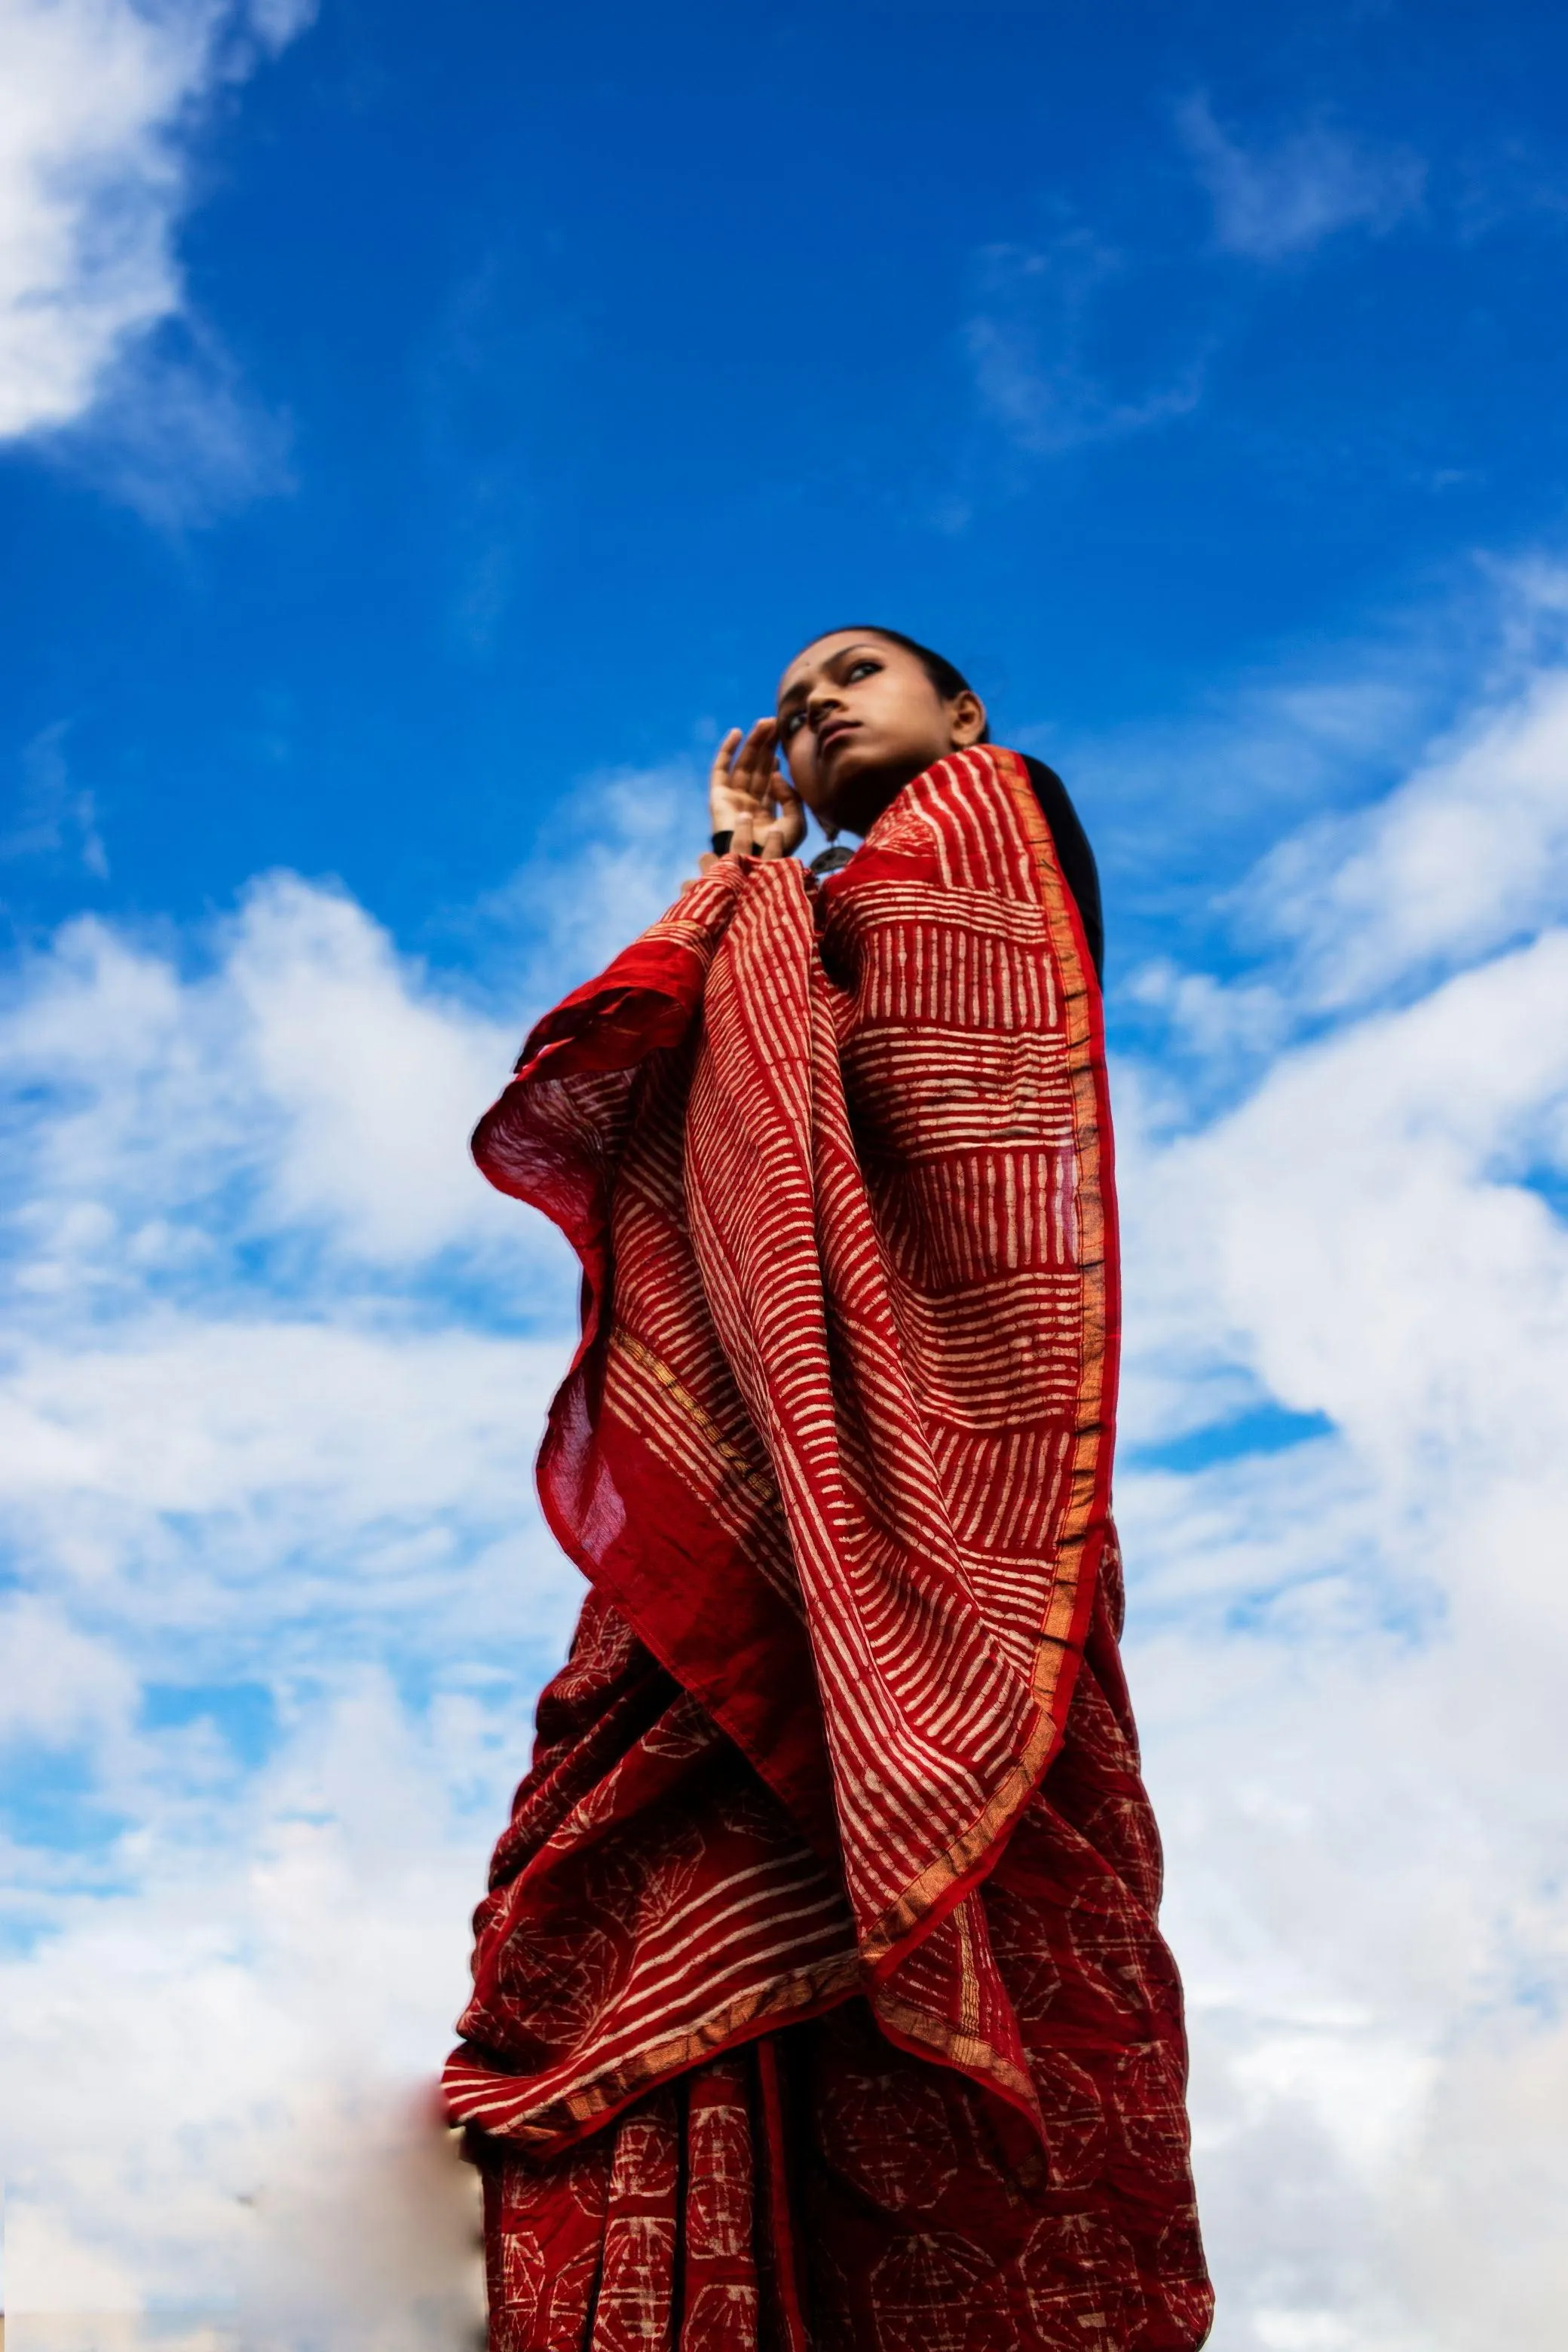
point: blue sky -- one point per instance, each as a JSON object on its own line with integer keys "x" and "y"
{"x": 420, "y": 436}
{"x": 561, "y": 370}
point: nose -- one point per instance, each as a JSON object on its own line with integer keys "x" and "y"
{"x": 825, "y": 698}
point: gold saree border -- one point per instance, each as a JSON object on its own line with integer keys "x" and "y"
{"x": 570, "y": 2115}
{"x": 1062, "y": 1631}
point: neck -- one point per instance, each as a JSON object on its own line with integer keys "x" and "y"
{"x": 869, "y": 795}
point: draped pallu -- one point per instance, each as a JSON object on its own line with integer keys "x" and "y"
{"x": 819, "y": 1998}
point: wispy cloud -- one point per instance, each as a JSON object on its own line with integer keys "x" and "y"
{"x": 1470, "y": 852}
{"x": 1279, "y": 773}
{"x": 174, "y": 432}
{"x": 613, "y": 860}
{"x": 101, "y": 96}
{"x": 1274, "y": 200}
{"x": 54, "y": 815}
{"x": 1030, "y": 345}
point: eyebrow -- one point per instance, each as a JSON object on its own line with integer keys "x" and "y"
{"x": 795, "y": 693}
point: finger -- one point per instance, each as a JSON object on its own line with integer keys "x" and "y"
{"x": 720, "y": 776}
{"x": 741, "y": 839}
{"x": 754, "y": 764}
{"x": 772, "y": 840}
{"x": 706, "y": 861}
{"x": 723, "y": 756}
{"x": 792, "y": 815}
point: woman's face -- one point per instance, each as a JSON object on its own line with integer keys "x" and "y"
{"x": 859, "y": 719}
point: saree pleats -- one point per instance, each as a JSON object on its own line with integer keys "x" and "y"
{"x": 822, "y": 2187}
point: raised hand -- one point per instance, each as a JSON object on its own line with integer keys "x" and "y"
{"x": 750, "y": 798}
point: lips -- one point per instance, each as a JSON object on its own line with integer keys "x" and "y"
{"x": 833, "y": 732}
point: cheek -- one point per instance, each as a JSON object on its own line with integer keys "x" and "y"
{"x": 900, "y": 714}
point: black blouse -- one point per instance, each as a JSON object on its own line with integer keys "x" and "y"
{"x": 1074, "y": 856}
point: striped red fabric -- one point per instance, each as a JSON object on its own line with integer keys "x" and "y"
{"x": 818, "y": 2190}
{"x": 834, "y": 1452}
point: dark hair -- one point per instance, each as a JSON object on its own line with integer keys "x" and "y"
{"x": 948, "y": 682}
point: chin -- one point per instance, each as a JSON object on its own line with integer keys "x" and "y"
{"x": 863, "y": 787}
{"x": 859, "y": 768}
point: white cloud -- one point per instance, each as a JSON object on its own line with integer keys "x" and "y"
{"x": 1270, "y": 202}
{"x": 253, "y": 1451}
{"x": 1377, "y": 1152}
{"x": 1470, "y": 852}
{"x": 224, "y": 2077}
{"x": 307, "y": 1073}
{"x": 99, "y": 97}
{"x": 270, "y": 1395}
{"x": 57, "y": 1685}
{"x": 1348, "y": 1653}
{"x": 1285, "y": 783}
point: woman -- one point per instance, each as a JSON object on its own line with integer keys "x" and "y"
{"x": 819, "y": 2004}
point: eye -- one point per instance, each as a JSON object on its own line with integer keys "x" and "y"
{"x": 865, "y": 667}
{"x": 791, "y": 725}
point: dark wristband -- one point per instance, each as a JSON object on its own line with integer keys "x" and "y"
{"x": 722, "y": 843}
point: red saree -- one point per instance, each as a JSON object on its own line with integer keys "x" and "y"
{"x": 819, "y": 1998}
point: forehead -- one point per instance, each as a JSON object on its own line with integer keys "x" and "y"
{"x": 815, "y": 657}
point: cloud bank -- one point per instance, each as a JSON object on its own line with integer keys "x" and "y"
{"x": 1345, "y": 1499}
{"x": 277, "y": 1599}
{"x": 280, "y": 1597}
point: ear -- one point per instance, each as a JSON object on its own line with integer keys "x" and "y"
{"x": 967, "y": 720}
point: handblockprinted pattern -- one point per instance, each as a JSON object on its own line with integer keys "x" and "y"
{"x": 805, "y": 2010}
{"x": 905, "y": 2218}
